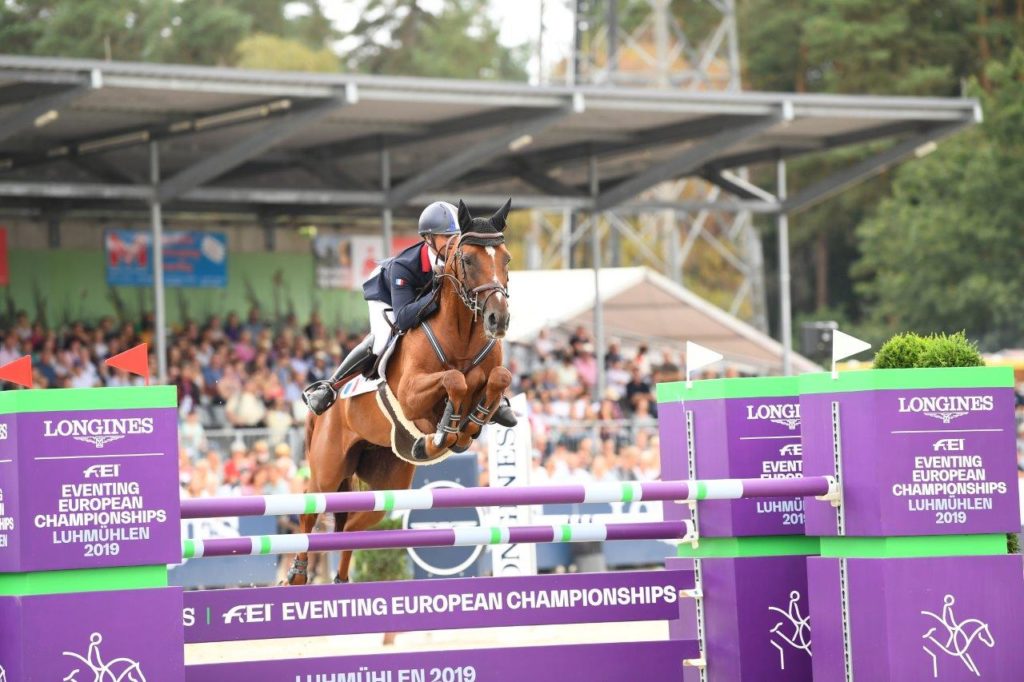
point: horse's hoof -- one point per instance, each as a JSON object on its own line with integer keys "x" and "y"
{"x": 459, "y": 449}
{"x": 419, "y": 450}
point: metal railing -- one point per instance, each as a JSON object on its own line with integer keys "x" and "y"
{"x": 554, "y": 431}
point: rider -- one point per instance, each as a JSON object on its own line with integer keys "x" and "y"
{"x": 397, "y": 287}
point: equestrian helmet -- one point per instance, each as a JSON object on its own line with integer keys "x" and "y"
{"x": 439, "y": 217}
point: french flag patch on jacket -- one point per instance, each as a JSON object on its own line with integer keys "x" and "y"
{"x": 399, "y": 282}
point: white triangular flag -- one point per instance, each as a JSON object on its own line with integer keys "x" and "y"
{"x": 843, "y": 346}
{"x": 698, "y": 356}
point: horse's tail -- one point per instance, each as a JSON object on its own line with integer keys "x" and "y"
{"x": 310, "y": 423}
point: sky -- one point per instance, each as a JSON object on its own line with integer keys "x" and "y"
{"x": 519, "y": 21}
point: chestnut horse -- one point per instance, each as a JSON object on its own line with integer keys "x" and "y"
{"x": 444, "y": 378}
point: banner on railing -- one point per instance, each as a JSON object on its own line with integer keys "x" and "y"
{"x": 509, "y": 460}
{"x": 191, "y": 259}
{"x": 345, "y": 261}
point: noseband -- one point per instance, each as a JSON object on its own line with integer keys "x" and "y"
{"x": 476, "y": 298}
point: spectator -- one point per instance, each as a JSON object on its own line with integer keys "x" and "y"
{"x": 586, "y": 365}
{"x": 284, "y": 461}
{"x": 245, "y": 409}
{"x": 192, "y": 435}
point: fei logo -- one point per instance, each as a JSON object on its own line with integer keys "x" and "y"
{"x": 791, "y": 450}
{"x": 948, "y": 445}
{"x": 787, "y": 414}
{"x": 946, "y": 408}
{"x": 117, "y": 670}
{"x": 99, "y": 432}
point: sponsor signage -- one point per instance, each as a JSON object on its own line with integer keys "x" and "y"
{"x": 509, "y": 459}
{"x": 346, "y": 261}
{"x": 735, "y": 428}
{"x": 457, "y": 471}
{"x": 93, "y": 636}
{"x": 949, "y": 464}
{"x": 927, "y": 618}
{"x": 104, "y": 485}
{"x": 444, "y": 604}
{"x": 191, "y": 259}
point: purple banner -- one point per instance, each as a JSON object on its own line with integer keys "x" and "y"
{"x": 756, "y": 619}
{"x": 10, "y": 532}
{"x": 121, "y": 635}
{"x": 104, "y": 490}
{"x": 626, "y": 662}
{"x": 672, "y": 432}
{"x": 946, "y": 618}
{"x": 266, "y": 612}
{"x": 748, "y": 438}
{"x": 945, "y": 471}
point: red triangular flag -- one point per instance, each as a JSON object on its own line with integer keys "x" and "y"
{"x": 134, "y": 360}
{"x": 18, "y": 372}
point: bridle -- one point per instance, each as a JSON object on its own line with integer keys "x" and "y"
{"x": 476, "y": 298}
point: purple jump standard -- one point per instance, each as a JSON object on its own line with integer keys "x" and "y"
{"x": 447, "y": 498}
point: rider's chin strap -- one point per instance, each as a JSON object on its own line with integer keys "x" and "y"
{"x": 447, "y": 247}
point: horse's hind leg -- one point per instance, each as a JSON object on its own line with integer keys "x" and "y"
{"x": 340, "y": 521}
{"x": 298, "y": 574}
{"x": 381, "y": 470}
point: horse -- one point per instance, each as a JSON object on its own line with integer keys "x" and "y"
{"x": 442, "y": 384}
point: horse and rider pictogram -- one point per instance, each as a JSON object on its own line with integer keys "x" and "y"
{"x": 116, "y": 670}
{"x": 798, "y": 626}
{"x": 958, "y": 638}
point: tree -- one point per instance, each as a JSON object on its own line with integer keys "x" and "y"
{"x": 944, "y": 252}
{"x": 263, "y": 51}
{"x": 402, "y": 37}
{"x": 178, "y": 31}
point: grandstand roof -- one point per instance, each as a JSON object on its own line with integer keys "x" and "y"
{"x": 77, "y": 132}
{"x": 643, "y": 306}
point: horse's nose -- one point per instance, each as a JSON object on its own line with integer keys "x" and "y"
{"x": 496, "y": 323}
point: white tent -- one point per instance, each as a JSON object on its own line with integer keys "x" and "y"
{"x": 640, "y": 305}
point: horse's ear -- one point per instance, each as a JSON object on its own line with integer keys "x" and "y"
{"x": 501, "y": 215}
{"x": 465, "y": 218}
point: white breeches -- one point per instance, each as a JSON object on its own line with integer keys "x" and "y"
{"x": 379, "y": 326}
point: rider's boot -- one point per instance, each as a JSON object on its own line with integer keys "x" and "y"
{"x": 320, "y": 395}
{"x": 504, "y": 416}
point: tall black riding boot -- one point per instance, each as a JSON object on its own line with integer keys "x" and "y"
{"x": 320, "y": 395}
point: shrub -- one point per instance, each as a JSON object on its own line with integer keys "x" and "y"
{"x": 381, "y": 564}
{"x": 953, "y": 350}
{"x": 902, "y": 351}
{"x": 905, "y": 351}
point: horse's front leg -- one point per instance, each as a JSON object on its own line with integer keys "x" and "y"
{"x": 420, "y": 393}
{"x": 497, "y": 382}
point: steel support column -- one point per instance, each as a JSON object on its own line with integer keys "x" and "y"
{"x": 157, "y": 224}
{"x": 386, "y": 216}
{"x": 785, "y": 302}
{"x": 595, "y": 251}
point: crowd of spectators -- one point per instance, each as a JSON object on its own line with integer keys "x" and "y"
{"x": 239, "y": 374}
